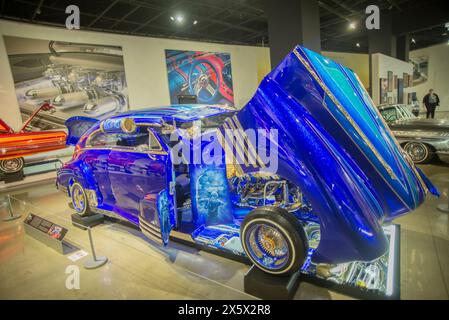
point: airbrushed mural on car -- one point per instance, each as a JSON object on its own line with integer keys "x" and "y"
{"x": 206, "y": 75}
{"x": 320, "y": 205}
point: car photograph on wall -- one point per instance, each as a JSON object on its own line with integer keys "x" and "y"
{"x": 422, "y": 139}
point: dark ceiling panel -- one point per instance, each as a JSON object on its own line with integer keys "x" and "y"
{"x": 227, "y": 21}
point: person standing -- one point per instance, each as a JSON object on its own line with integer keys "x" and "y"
{"x": 431, "y": 101}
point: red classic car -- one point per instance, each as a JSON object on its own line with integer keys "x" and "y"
{"x": 15, "y": 145}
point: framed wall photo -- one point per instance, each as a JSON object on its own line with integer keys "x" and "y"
{"x": 78, "y": 79}
{"x": 406, "y": 80}
{"x": 400, "y": 91}
{"x": 390, "y": 81}
{"x": 383, "y": 90}
{"x": 207, "y": 75}
{"x": 395, "y": 82}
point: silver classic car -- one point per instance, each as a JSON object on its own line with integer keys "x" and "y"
{"x": 422, "y": 139}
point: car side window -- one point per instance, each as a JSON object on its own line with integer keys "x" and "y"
{"x": 389, "y": 114}
{"x": 153, "y": 141}
{"x": 102, "y": 140}
{"x": 141, "y": 140}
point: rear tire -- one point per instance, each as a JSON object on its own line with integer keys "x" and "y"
{"x": 11, "y": 165}
{"x": 274, "y": 240}
{"x": 419, "y": 152}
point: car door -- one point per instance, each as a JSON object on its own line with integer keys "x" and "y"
{"x": 95, "y": 157}
{"x": 140, "y": 173}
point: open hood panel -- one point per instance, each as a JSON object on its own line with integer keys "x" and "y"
{"x": 335, "y": 145}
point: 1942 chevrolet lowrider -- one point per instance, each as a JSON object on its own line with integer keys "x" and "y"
{"x": 337, "y": 178}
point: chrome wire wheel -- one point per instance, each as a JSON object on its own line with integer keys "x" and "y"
{"x": 274, "y": 240}
{"x": 267, "y": 246}
{"x": 79, "y": 199}
{"x": 418, "y": 152}
{"x": 11, "y": 165}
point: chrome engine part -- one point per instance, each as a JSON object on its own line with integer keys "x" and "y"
{"x": 255, "y": 190}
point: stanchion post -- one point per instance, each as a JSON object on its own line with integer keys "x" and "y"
{"x": 95, "y": 262}
{"x": 444, "y": 207}
{"x": 11, "y": 216}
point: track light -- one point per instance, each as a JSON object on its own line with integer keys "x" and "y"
{"x": 352, "y": 25}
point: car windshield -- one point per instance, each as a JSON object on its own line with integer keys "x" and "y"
{"x": 396, "y": 113}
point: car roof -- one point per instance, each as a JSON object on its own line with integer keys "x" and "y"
{"x": 178, "y": 112}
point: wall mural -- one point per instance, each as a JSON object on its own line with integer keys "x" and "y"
{"x": 77, "y": 79}
{"x": 204, "y": 74}
{"x": 420, "y": 69}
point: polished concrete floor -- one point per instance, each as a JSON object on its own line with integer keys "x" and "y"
{"x": 137, "y": 269}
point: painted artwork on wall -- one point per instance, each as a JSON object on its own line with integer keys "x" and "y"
{"x": 390, "y": 81}
{"x": 76, "y": 79}
{"x": 207, "y": 75}
{"x": 411, "y": 98}
{"x": 401, "y": 91}
{"x": 383, "y": 90}
{"x": 406, "y": 79}
{"x": 420, "y": 69}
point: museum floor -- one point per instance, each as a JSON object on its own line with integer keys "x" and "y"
{"x": 139, "y": 270}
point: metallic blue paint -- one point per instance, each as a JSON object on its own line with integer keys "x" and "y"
{"x": 321, "y": 151}
{"x": 332, "y": 144}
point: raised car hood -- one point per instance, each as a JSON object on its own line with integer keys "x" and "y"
{"x": 334, "y": 144}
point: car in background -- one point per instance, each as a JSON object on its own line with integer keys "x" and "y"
{"x": 14, "y": 146}
{"x": 422, "y": 139}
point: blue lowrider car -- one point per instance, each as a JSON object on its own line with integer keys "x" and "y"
{"x": 335, "y": 177}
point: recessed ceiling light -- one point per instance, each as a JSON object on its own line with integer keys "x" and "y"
{"x": 413, "y": 40}
{"x": 352, "y": 25}
{"x": 195, "y": 22}
{"x": 357, "y": 45}
{"x": 172, "y": 18}
{"x": 179, "y": 18}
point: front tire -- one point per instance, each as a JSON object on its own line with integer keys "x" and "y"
{"x": 12, "y": 165}
{"x": 274, "y": 240}
{"x": 79, "y": 199}
{"x": 419, "y": 152}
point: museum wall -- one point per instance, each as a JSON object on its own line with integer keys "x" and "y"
{"x": 381, "y": 66}
{"x": 144, "y": 62}
{"x": 437, "y": 73}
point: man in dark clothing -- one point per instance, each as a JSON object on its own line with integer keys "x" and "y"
{"x": 431, "y": 101}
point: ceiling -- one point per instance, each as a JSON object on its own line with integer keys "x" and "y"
{"x": 224, "y": 21}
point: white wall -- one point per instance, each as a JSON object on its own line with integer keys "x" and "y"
{"x": 438, "y": 74}
{"x": 144, "y": 60}
{"x": 380, "y": 65}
